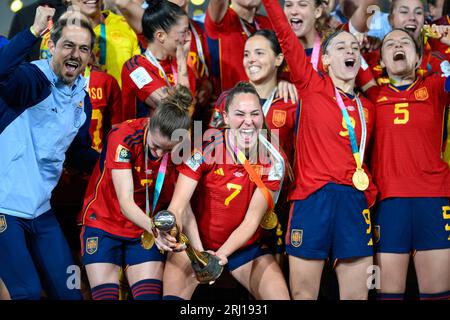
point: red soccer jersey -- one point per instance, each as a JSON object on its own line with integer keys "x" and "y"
{"x": 106, "y": 100}
{"x": 224, "y": 190}
{"x": 124, "y": 150}
{"x": 323, "y": 152}
{"x": 232, "y": 37}
{"x": 407, "y": 148}
{"x": 140, "y": 78}
{"x": 194, "y": 60}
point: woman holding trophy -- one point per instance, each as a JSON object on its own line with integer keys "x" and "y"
{"x": 133, "y": 179}
{"x": 235, "y": 176}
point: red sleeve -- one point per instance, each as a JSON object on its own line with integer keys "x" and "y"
{"x": 141, "y": 80}
{"x": 194, "y": 167}
{"x": 214, "y": 29}
{"x": 118, "y": 153}
{"x": 301, "y": 71}
{"x": 372, "y": 94}
{"x": 115, "y": 102}
{"x": 364, "y": 75}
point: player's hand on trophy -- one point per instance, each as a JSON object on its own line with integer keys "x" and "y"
{"x": 165, "y": 241}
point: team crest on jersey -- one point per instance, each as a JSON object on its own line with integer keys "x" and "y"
{"x": 122, "y": 154}
{"x": 279, "y": 118}
{"x": 421, "y": 94}
{"x": 91, "y": 245}
{"x": 195, "y": 161}
{"x": 3, "y": 224}
{"x": 296, "y": 237}
{"x": 377, "y": 233}
{"x": 238, "y": 174}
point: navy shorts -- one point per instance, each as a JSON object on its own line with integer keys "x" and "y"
{"x": 99, "y": 246}
{"x": 247, "y": 254}
{"x": 33, "y": 255}
{"x": 405, "y": 225}
{"x": 333, "y": 222}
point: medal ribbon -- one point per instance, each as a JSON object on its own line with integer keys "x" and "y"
{"x": 156, "y": 63}
{"x": 201, "y": 55}
{"x": 255, "y": 177}
{"x": 358, "y": 153}
{"x": 102, "y": 42}
{"x": 315, "y": 53}
{"x": 159, "y": 179}
{"x": 278, "y": 158}
{"x": 268, "y": 102}
{"x": 245, "y": 28}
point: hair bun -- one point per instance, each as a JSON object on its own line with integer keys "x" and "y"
{"x": 181, "y": 96}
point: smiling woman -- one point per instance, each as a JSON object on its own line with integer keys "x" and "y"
{"x": 333, "y": 189}
{"x": 235, "y": 189}
{"x": 409, "y": 171}
{"x": 135, "y": 169}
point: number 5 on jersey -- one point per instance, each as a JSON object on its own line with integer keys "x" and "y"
{"x": 402, "y": 112}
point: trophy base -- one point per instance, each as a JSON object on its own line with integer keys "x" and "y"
{"x": 210, "y": 272}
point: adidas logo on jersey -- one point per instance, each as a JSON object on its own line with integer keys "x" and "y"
{"x": 219, "y": 172}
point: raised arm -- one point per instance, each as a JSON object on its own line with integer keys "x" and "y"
{"x": 300, "y": 69}
{"x": 361, "y": 17}
{"x": 217, "y": 9}
{"x": 132, "y": 12}
{"x": 15, "y": 52}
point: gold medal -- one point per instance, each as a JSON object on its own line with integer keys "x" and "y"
{"x": 360, "y": 180}
{"x": 269, "y": 220}
{"x": 147, "y": 240}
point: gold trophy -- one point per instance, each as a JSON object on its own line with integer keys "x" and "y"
{"x": 206, "y": 266}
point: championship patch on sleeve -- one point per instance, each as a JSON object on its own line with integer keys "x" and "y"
{"x": 122, "y": 154}
{"x": 195, "y": 161}
{"x": 140, "y": 77}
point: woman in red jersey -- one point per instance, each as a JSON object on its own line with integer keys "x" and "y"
{"x": 132, "y": 180}
{"x": 235, "y": 184}
{"x": 333, "y": 191}
{"x": 263, "y": 62}
{"x": 147, "y": 77}
{"x": 309, "y": 22}
{"x": 413, "y": 215}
